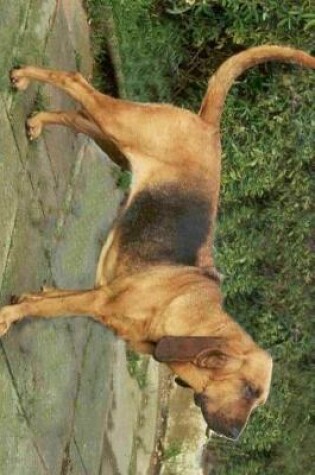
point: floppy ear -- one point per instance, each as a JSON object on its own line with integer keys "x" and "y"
{"x": 204, "y": 352}
{"x": 195, "y": 349}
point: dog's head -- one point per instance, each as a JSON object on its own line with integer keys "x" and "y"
{"x": 229, "y": 381}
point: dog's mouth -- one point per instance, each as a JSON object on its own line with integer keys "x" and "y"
{"x": 217, "y": 424}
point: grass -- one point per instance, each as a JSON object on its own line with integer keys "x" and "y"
{"x": 137, "y": 367}
{"x": 134, "y": 42}
{"x": 40, "y": 102}
{"x": 108, "y": 75}
{"x": 172, "y": 451}
{"x": 122, "y": 178}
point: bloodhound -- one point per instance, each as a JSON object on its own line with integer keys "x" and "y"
{"x": 156, "y": 283}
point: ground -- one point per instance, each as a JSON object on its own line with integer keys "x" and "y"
{"x": 68, "y": 404}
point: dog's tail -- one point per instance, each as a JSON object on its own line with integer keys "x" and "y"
{"x": 221, "y": 82}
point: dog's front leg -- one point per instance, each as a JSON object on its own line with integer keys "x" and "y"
{"x": 56, "y": 303}
{"x": 53, "y": 303}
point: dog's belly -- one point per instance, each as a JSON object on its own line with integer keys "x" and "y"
{"x": 165, "y": 224}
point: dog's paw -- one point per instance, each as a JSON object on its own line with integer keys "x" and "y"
{"x": 33, "y": 127}
{"x": 18, "y": 82}
{"x": 6, "y": 319}
{"x": 4, "y": 327}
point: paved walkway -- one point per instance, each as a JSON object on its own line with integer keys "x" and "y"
{"x": 67, "y": 402}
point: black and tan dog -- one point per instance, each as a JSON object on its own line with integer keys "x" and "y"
{"x": 156, "y": 284}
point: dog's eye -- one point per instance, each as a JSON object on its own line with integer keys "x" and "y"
{"x": 250, "y": 392}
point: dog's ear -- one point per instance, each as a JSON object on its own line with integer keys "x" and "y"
{"x": 204, "y": 352}
{"x": 184, "y": 348}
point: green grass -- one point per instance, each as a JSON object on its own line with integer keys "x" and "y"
{"x": 137, "y": 366}
{"x": 172, "y": 451}
{"x": 40, "y": 101}
{"x": 145, "y": 52}
{"x": 122, "y": 178}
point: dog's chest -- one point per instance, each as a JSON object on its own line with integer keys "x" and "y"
{"x": 166, "y": 224}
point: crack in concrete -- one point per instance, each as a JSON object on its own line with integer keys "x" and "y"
{"x": 27, "y": 17}
{"x": 80, "y": 456}
{"x": 22, "y": 410}
{"x": 107, "y": 452}
{"x": 65, "y": 465}
{"x": 15, "y": 48}
{"x": 26, "y": 171}
{"x": 110, "y": 457}
{"x": 9, "y": 246}
{"x": 52, "y": 22}
{"x": 69, "y": 194}
{"x": 66, "y": 461}
{"x": 22, "y": 27}
{"x": 50, "y": 163}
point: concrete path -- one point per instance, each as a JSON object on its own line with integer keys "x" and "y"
{"x": 68, "y": 404}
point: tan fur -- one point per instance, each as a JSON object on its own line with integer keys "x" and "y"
{"x": 147, "y": 302}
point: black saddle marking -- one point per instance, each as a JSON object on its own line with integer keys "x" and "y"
{"x": 165, "y": 224}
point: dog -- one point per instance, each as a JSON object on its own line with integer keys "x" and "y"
{"x": 156, "y": 283}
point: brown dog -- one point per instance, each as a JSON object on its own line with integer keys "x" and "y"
{"x": 156, "y": 284}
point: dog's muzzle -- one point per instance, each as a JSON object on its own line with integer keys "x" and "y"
{"x": 216, "y": 423}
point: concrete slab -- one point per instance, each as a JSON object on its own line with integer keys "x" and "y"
{"x": 12, "y": 24}
{"x": 92, "y": 400}
{"x": 89, "y": 210}
{"x": 131, "y": 417}
{"x": 67, "y": 401}
{"x": 17, "y": 442}
{"x": 185, "y": 435}
{"x": 39, "y": 168}
{"x": 10, "y": 167}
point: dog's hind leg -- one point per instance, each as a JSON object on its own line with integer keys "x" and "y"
{"x": 75, "y": 120}
{"x": 102, "y": 109}
{"x": 80, "y": 123}
{"x": 144, "y": 133}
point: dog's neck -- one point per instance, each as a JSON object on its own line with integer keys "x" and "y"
{"x": 197, "y": 310}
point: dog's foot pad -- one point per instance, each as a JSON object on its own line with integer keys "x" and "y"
{"x": 33, "y": 128}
